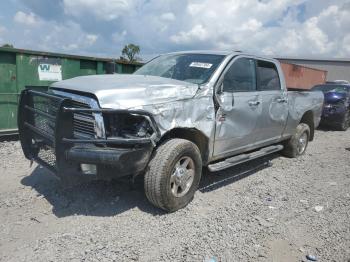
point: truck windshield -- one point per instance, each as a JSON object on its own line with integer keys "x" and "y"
{"x": 193, "y": 68}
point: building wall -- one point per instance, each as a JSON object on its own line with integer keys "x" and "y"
{"x": 337, "y": 70}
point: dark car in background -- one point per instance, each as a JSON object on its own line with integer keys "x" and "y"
{"x": 336, "y": 108}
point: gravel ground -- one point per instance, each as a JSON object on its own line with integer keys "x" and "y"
{"x": 252, "y": 212}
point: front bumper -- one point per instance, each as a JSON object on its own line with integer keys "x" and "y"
{"x": 46, "y": 130}
{"x": 333, "y": 115}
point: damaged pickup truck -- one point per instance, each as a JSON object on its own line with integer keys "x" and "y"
{"x": 175, "y": 115}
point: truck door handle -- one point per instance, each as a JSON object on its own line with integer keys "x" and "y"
{"x": 281, "y": 100}
{"x": 254, "y": 103}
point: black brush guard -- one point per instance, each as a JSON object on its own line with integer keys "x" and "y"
{"x": 45, "y": 124}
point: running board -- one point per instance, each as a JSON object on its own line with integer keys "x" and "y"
{"x": 239, "y": 159}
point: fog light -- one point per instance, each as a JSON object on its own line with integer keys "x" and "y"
{"x": 88, "y": 169}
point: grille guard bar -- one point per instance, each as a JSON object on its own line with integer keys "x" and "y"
{"x": 60, "y": 124}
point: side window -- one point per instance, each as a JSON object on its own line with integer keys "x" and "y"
{"x": 241, "y": 76}
{"x": 268, "y": 78}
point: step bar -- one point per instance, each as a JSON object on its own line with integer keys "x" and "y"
{"x": 239, "y": 159}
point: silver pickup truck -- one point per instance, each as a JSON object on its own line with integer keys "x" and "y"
{"x": 175, "y": 115}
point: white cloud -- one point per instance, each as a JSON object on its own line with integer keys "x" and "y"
{"x": 52, "y": 36}
{"x": 323, "y": 35}
{"x": 26, "y": 19}
{"x": 274, "y": 27}
{"x": 244, "y": 25}
{"x": 251, "y": 25}
{"x": 228, "y": 23}
{"x": 168, "y": 16}
{"x": 70, "y": 47}
{"x": 101, "y": 9}
{"x": 197, "y": 33}
{"x": 346, "y": 44}
{"x": 91, "y": 39}
{"x": 75, "y": 39}
{"x": 2, "y": 29}
{"x": 119, "y": 37}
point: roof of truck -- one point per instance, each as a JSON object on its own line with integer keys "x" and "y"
{"x": 225, "y": 53}
{"x": 211, "y": 52}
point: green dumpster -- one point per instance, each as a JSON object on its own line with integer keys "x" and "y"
{"x": 20, "y": 69}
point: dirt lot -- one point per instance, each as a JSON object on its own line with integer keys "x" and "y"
{"x": 253, "y": 212}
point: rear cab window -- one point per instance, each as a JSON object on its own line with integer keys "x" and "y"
{"x": 267, "y": 76}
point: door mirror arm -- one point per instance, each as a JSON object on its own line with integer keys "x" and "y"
{"x": 225, "y": 100}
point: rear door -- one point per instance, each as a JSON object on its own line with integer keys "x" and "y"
{"x": 239, "y": 110}
{"x": 8, "y": 91}
{"x": 274, "y": 102}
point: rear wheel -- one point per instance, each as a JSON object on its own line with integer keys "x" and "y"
{"x": 173, "y": 174}
{"x": 298, "y": 143}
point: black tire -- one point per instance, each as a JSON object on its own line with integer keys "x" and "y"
{"x": 344, "y": 125}
{"x": 158, "y": 186}
{"x": 292, "y": 146}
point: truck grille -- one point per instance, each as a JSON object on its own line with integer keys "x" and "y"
{"x": 83, "y": 123}
{"x": 48, "y": 106}
{"x": 47, "y": 155}
{"x": 45, "y": 119}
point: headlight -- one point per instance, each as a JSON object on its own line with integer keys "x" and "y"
{"x": 337, "y": 104}
{"x": 127, "y": 126}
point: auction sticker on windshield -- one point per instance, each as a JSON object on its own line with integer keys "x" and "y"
{"x": 201, "y": 65}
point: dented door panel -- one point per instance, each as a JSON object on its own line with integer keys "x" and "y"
{"x": 236, "y": 129}
{"x": 273, "y": 117}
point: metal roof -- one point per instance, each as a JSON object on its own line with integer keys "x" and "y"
{"x": 44, "y": 53}
{"x": 315, "y": 59}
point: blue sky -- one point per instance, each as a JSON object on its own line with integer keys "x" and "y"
{"x": 316, "y": 28}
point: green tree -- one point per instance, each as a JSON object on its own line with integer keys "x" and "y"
{"x": 130, "y": 52}
{"x": 7, "y": 45}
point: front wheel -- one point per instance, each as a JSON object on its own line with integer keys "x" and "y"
{"x": 298, "y": 143}
{"x": 173, "y": 174}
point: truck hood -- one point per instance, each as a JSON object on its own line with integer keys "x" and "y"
{"x": 129, "y": 91}
{"x": 334, "y": 97}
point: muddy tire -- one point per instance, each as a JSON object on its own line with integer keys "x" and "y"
{"x": 173, "y": 174}
{"x": 298, "y": 143}
{"x": 344, "y": 125}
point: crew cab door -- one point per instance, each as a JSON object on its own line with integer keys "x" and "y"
{"x": 274, "y": 102}
{"x": 240, "y": 107}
